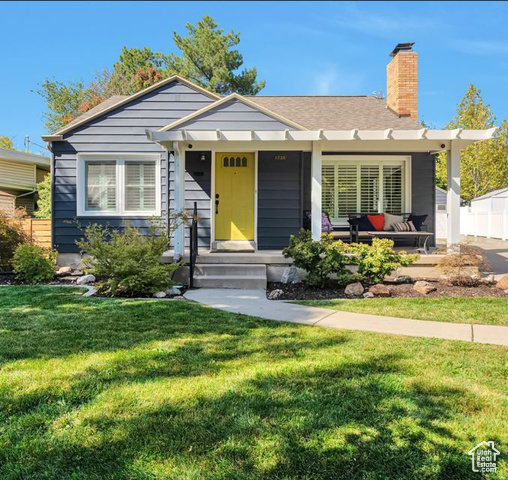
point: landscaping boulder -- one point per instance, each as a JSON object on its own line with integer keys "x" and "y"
{"x": 174, "y": 291}
{"x": 63, "y": 271}
{"x": 502, "y": 284}
{"x": 354, "y": 289}
{"x": 424, "y": 287}
{"x": 368, "y": 295}
{"x": 275, "y": 294}
{"x": 290, "y": 275}
{"x": 380, "y": 290}
{"x": 85, "y": 280}
{"x": 160, "y": 294}
{"x": 403, "y": 279}
{"x": 179, "y": 297}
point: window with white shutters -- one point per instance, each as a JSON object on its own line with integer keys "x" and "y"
{"x": 393, "y": 179}
{"x": 328, "y": 189}
{"x": 100, "y": 184}
{"x": 362, "y": 187}
{"x": 129, "y": 185}
{"x": 369, "y": 188}
{"x": 347, "y": 191}
{"x": 140, "y": 186}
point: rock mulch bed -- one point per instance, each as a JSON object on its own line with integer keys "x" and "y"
{"x": 300, "y": 291}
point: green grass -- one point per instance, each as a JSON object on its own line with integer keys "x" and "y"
{"x": 96, "y": 388}
{"x": 488, "y": 311}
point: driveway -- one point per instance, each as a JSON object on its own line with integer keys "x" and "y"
{"x": 496, "y": 251}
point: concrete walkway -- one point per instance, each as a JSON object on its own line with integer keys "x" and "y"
{"x": 255, "y": 303}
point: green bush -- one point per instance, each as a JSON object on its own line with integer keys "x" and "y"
{"x": 11, "y": 235}
{"x": 319, "y": 259}
{"x": 379, "y": 259}
{"x": 327, "y": 257}
{"x": 128, "y": 260}
{"x": 34, "y": 264}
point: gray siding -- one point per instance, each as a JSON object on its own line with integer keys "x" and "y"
{"x": 234, "y": 115}
{"x": 440, "y": 197}
{"x": 198, "y": 186}
{"x": 279, "y": 198}
{"x": 423, "y": 191}
{"x": 123, "y": 131}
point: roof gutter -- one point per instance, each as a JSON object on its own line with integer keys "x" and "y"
{"x": 52, "y": 138}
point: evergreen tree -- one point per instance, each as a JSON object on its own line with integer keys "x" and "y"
{"x": 484, "y": 165}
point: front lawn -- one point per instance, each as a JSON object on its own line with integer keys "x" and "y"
{"x": 488, "y": 311}
{"x": 95, "y": 388}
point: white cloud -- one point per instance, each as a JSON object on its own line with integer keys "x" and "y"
{"x": 361, "y": 19}
{"x": 329, "y": 80}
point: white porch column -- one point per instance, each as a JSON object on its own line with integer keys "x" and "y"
{"x": 179, "y": 201}
{"x": 453, "y": 197}
{"x": 316, "y": 190}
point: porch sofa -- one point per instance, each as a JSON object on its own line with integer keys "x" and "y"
{"x": 360, "y": 225}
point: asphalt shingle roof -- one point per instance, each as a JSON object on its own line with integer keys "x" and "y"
{"x": 337, "y": 113}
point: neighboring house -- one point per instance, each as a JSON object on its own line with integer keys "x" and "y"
{"x": 495, "y": 201}
{"x": 254, "y": 165}
{"x": 487, "y": 216}
{"x": 20, "y": 172}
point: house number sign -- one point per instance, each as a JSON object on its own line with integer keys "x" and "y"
{"x": 280, "y": 157}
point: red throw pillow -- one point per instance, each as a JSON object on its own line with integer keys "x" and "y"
{"x": 378, "y": 221}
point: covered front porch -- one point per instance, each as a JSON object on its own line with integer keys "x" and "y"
{"x": 274, "y": 177}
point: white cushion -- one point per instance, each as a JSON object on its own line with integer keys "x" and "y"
{"x": 391, "y": 219}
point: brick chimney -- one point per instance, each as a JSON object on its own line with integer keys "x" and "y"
{"x": 402, "y": 81}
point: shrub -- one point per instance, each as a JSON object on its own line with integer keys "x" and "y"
{"x": 319, "y": 259}
{"x": 379, "y": 259}
{"x": 462, "y": 265}
{"x": 12, "y": 234}
{"x": 129, "y": 261}
{"x": 34, "y": 264}
{"x": 44, "y": 202}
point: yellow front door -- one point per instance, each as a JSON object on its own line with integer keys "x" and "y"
{"x": 234, "y": 196}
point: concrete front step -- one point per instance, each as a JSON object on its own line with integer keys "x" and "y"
{"x": 255, "y": 282}
{"x": 229, "y": 269}
{"x": 224, "y": 275}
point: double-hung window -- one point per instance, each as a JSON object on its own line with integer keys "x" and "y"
{"x": 127, "y": 185}
{"x": 361, "y": 184}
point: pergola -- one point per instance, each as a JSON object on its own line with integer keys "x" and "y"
{"x": 316, "y": 142}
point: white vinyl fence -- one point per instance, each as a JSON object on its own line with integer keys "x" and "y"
{"x": 441, "y": 220}
{"x": 484, "y": 223}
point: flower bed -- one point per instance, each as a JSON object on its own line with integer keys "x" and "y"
{"x": 301, "y": 291}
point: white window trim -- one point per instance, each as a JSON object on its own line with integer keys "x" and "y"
{"x": 120, "y": 159}
{"x": 376, "y": 160}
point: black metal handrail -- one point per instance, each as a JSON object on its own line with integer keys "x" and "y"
{"x": 193, "y": 244}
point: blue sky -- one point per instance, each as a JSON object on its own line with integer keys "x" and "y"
{"x": 299, "y": 48}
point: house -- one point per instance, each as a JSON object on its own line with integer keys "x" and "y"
{"x": 20, "y": 172}
{"x": 495, "y": 201}
{"x": 253, "y": 165}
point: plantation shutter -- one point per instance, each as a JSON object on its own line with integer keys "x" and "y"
{"x": 101, "y": 186}
{"x": 393, "y": 189}
{"x": 349, "y": 187}
{"x": 347, "y": 190}
{"x": 140, "y": 186}
{"x": 369, "y": 188}
{"x": 329, "y": 182}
